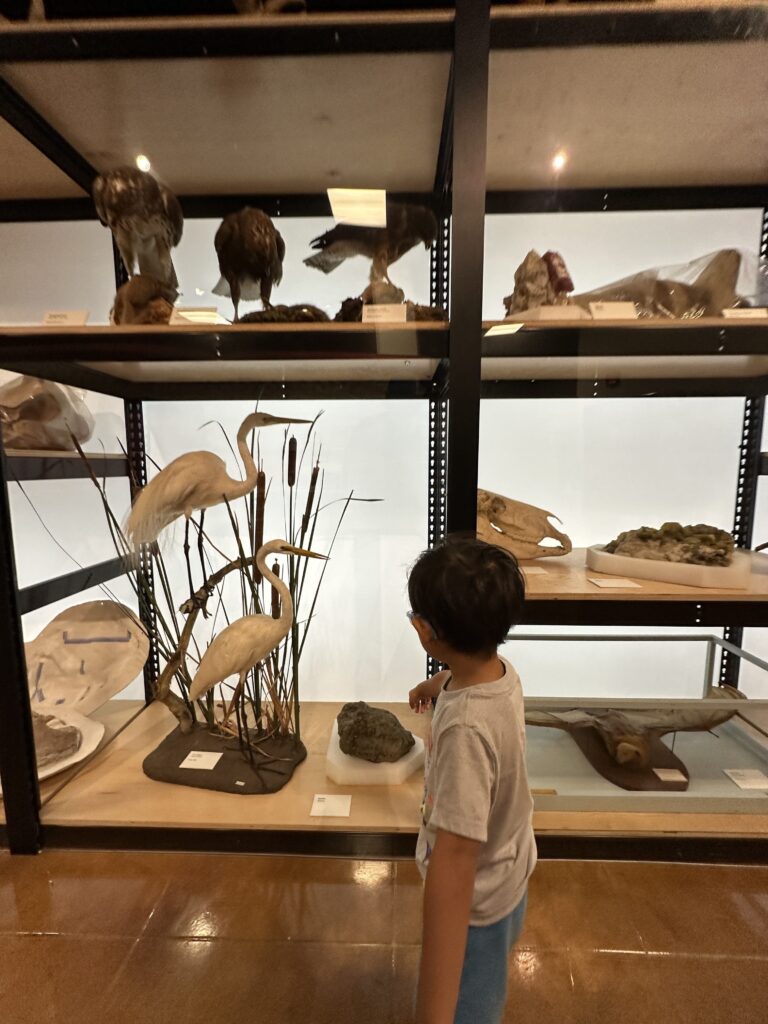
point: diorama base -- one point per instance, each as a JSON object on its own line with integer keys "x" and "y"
{"x": 272, "y": 767}
{"x": 629, "y": 776}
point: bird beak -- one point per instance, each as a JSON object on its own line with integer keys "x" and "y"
{"x": 291, "y": 550}
{"x": 285, "y": 419}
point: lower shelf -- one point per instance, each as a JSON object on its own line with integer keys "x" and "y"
{"x": 112, "y": 792}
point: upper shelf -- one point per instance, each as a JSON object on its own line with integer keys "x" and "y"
{"x": 241, "y": 360}
{"x": 563, "y": 595}
{"x": 358, "y": 99}
{"x": 620, "y": 358}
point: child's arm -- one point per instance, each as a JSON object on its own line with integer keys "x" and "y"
{"x": 422, "y": 695}
{"x": 447, "y": 904}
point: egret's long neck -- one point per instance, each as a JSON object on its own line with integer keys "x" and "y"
{"x": 286, "y": 604}
{"x": 251, "y": 473}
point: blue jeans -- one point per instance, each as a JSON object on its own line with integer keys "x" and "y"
{"x": 483, "y": 990}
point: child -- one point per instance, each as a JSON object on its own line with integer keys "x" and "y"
{"x": 476, "y": 848}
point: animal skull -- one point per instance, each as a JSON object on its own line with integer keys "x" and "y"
{"x": 517, "y": 527}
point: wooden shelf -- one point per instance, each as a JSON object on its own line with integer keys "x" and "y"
{"x": 115, "y": 716}
{"x": 113, "y": 791}
{"x": 567, "y": 579}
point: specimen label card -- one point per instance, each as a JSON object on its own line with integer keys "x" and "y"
{"x": 196, "y": 315}
{"x": 670, "y": 774}
{"x": 613, "y": 310}
{"x": 745, "y": 314}
{"x": 66, "y": 318}
{"x": 497, "y": 329}
{"x": 617, "y": 583}
{"x": 747, "y": 778}
{"x": 385, "y": 313}
{"x": 326, "y": 805}
{"x": 533, "y": 570}
{"x": 203, "y": 759}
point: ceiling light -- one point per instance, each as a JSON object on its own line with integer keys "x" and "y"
{"x": 559, "y": 160}
{"x": 366, "y": 207}
{"x": 142, "y": 162}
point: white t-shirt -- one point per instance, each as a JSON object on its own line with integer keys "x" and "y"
{"x": 476, "y": 785}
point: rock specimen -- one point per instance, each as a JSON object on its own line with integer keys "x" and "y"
{"x": 372, "y": 734}
{"x": 143, "y": 300}
{"x": 539, "y": 281}
{"x": 54, "y": 739}
{"x": 695, "y": 545}
{"x": 381, "y": 292}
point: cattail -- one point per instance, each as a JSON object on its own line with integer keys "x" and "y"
{"x": 261, "y": 497}
{"x": 275, "y": 595}
{"x": 292, "y": 445}
{"x": 310, "y": 500}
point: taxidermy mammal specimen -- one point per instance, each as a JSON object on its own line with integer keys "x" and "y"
{"x": 196, "y": 480}
{"x": 248, "y": 641}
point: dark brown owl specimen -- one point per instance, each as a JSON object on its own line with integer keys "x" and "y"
{"x": 251, "y": 252}
{"x": 143, "y": 300}
{"x": 145, "y": 219}
{"x": 407, "y": 225}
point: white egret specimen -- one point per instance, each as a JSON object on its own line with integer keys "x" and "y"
{"x": 196, "y": 480}
{"x": 247, "y": 641}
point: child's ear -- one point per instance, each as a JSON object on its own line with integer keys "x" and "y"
{"x": 423, "y": 629}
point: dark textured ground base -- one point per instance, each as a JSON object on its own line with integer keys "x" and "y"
{"x": 630, "y": 776}
{"x": 234, "y": 773}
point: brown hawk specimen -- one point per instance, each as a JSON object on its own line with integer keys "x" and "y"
{"x": 407, "y": 225}
{"x": 145, "y": 219}
{"x": 143, "y": 300}
{"x": 251, "y": 252}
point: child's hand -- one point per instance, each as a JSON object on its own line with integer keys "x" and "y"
{"x": 420, "y": 698}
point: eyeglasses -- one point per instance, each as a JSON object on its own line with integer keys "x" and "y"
{"x": 411, "y": 615}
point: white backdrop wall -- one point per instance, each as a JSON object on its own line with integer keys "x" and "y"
{"x": 602, "y": 465}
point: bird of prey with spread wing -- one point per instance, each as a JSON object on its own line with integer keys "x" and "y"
{"x": 145, "y": 219}
{"x": 251, "y": 252}
{"x": 407, "y": 225}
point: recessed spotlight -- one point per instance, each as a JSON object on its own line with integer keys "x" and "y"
{"x": 199, "y": 291}
{"x": 559, "y": 160}
{"x": 142, "y": 162}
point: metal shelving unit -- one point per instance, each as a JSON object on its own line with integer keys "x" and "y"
{"x": 451, "y": 367}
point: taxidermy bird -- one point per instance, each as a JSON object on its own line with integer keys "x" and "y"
{"x": 407, "y": 225}
{"x": 251, "y": 252}
{"x": 143, "y": 300}
{"x": 248, "y": 641}
{"x": 145, "y": 219}
{"x": 628, "y": 734}
{"x": 196, "y": 480}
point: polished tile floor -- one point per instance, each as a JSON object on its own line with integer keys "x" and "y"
{"x": 203, "y": 939}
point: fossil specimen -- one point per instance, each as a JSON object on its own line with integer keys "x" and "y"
{"x": 517, "y": 527}
{"x": 695, "y": 545}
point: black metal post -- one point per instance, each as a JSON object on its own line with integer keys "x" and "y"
{"x": 137, "y": 457}
{"x": 18, "y": 767}
{"x": 744, "y": 515}
{"x": 470, "y": 108}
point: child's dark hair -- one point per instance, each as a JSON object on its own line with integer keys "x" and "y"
{"x": 471, "y": 593}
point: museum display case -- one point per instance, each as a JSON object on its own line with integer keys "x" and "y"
{"x": 276, "y": 377}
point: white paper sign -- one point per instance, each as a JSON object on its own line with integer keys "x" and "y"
{"x": 185, "y": 315}
{"x": 534, "y": 570}
{"x": 203, "y": 759}
{"x": 364, "y": 206}
{"x": 747, "y": 778}
{"x": 327, "y": 806}
{"x": 385, "y": 313}
{"x": 613, "y": 310}
{"x": 670, "y": 774}
{"x": 615, "y": 583}
{"x": 745, "y": 314}
{"x": 66, "y": 318}
{"x": 502, "y": 329}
